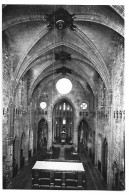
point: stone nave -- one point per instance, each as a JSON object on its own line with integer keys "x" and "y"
{"x": 63, "y": 93}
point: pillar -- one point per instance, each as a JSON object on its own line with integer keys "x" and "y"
{"x": 49, "y": 140}
{"x": 96, "y": 134}
{"x": 75, "y": 135}
{"x": 110, "y": 145}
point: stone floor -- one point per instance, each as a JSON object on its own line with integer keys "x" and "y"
{"x": 93, "y": 177}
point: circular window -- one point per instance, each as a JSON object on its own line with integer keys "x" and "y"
{"x": 84, "y": 106}
{"x": 64, "y": 86}
{"x": 43, "y": 105}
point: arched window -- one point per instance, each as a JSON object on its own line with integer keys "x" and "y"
{"x": 62, "y": 120}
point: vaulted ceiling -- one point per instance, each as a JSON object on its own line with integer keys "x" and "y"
{"x": 48, "y": 41}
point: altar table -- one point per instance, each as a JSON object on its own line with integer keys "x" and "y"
{"x": 58, "y": 175}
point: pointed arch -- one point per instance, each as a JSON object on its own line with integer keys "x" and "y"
{"x": 63, "y": 120}
{"x": 42, "y": 134}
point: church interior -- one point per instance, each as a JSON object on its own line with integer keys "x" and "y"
{"x": 63, "y": 97}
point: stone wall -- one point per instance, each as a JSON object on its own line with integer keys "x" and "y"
{"x": 118, "y": 131}
{"x": 16, "y": 117}
{"x": 111, "y": 113}
{"x": 29, "y": 50}
{"x": 7, "y": 109}
{"x": 51, "y": 96}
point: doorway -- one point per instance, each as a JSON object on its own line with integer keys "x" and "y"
{"x": 63, "y": 114}
{"x": 83, "y": 132}
{"x": 42, "y": 133}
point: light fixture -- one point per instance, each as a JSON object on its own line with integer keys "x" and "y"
{"x": 64, "y": 86}
{"x": 43, "y": 105}
{"x": 83, "y": 106}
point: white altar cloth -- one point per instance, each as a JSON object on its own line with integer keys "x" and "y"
{"x": 58, "y": 166}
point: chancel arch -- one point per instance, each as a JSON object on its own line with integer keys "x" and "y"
{"x": 63, "y": 120}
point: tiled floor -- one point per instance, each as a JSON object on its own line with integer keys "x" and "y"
{"x": 93, "y": 177}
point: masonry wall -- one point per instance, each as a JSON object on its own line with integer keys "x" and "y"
{"x": 21, "y": 113}
{"x": 111, "y": 116}
{"x": 51, "y": 96}
{"x": 15, "y": 117}
{"x": 118, "y": 109}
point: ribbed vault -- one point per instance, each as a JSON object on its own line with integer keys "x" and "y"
{"x": 41, "y": 44}
{"x": 37, "y": 57}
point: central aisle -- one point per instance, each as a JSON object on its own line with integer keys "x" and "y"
{"x": 62, "y": 153}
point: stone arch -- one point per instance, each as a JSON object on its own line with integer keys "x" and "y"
{"x": 83, "y": 131}
{"x": 40, "y": 118}
{"x": 61, "y": 99}
{"x": 42, "y": 76}
{"x": 96, "y": 64}
{"x": 41, "y": 34}
{"x": 49, "y": 79}
{"x": 42, "y": 133}
{"x": 101, "y": 19}
{"x": 63, "y": 119}
{"x": 85, "y": 119}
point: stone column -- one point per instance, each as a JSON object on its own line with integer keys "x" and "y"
{"x": 53, "y": 130}
{"x": 31, "y": 127}
{"x": 28, "y": 135}
{"x": 75, "y": 135}
{"x": 35, "y": 135}
{"x": 110, "y": 145}
{"x": 49, "y": 140}
{"x": 35, "y": 130}
{"x": 96, "y": 139}
{"x": 75, "y": 140}
{"x": 96, "y": 133}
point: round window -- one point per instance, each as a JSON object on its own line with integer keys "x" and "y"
{"x": 83, "y": 106}
{"x": 43, "y": 105}
{"x": 64, "y": 86}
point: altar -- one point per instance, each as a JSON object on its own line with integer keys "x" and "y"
{"x": 58, "y": 175}
{"x": 63, "y": 136}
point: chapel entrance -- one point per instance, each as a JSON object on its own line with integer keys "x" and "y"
{"x": 42, "y": 133}
{"x": 63, "y": 114}
{"x": 83, "y": 132}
